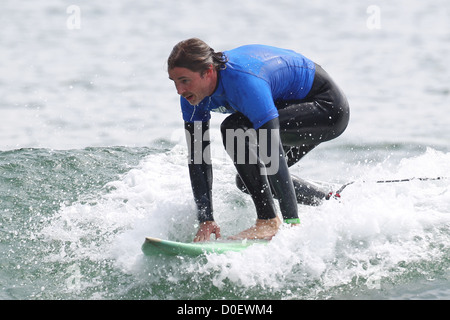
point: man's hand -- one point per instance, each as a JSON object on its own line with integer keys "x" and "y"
{"x": 206, "y": 229}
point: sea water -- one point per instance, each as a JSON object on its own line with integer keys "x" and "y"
{"x": 93, "y": 158}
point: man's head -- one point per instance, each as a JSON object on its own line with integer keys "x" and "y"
{"x": 193, "y": 66}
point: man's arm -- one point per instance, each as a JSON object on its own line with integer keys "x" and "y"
{"x": 200, "y": 172}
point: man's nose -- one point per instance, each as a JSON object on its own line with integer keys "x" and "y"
{"x": 181, "y": 89}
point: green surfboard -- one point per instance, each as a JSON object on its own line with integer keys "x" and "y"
{"x": 155, "y": 246}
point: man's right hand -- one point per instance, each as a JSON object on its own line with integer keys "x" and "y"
{"x": 206, "y": 229}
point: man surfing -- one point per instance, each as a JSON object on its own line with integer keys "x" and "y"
{"x": 282, "y": 106}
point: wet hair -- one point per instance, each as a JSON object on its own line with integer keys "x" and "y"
{"x": 195, "y": 55}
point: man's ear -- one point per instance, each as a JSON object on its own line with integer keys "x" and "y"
{"x": 208, "y": 71}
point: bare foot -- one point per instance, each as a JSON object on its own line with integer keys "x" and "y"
{"x": 263, "y": 229}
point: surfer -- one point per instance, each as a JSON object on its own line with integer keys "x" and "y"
{"x": 282, "y": 106}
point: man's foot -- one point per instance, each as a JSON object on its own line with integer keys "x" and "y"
{"x": 334, "y": 195}
{"x": 263, "y": 229}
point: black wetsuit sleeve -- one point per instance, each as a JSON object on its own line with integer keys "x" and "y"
{"x": 200, "y": 168}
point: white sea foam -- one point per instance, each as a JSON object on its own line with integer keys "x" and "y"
{"x": 106, "y": 84}
{"x": 368, "y": 238}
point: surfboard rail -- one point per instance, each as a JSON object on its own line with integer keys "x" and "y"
{"x": 155, "y": 246}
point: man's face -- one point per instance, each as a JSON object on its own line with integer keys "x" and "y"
{"x": 193, "y": 86}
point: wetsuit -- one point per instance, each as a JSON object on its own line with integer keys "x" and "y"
{"x": 287, "y": 95}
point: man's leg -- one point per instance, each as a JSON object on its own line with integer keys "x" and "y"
{"x": 322, "y": 116}
{"x": 254, "y": 177}
{"x": 249, "y": 173}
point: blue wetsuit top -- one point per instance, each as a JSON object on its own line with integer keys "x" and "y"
{"x": 254, "y": 78}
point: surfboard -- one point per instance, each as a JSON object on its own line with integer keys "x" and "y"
{"x": 155, "y": 246}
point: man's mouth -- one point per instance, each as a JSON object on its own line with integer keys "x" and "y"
{"x": 189, "y": 97}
